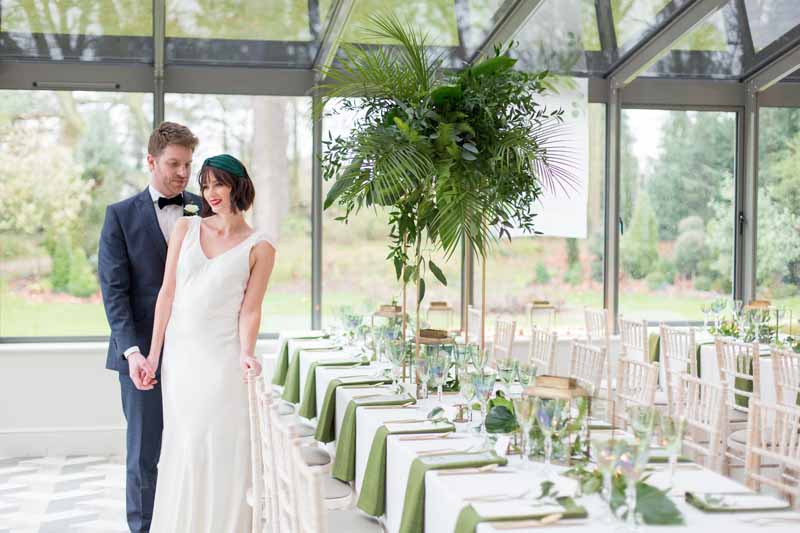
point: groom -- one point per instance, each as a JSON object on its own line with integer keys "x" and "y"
{"x": 132, "y": 254}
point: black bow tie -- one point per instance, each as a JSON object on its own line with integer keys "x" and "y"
{"x": 175, "y": 200}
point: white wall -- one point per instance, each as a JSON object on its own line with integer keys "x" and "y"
{"x": 58, "y": 399}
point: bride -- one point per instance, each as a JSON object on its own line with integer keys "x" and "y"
{"x": 207, "y": 319}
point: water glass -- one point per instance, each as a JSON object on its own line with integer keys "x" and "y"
{"x": 524, "y": 412}
{"x": 439, "y": 364}
{"x": 551, "y": 414}
{"x": 484, "y": 381}
{"x": 671, "y": 430}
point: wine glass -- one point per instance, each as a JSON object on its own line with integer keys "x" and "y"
{"x": 551, "y": 413}
{"x": 706, "y": 310}
{"x": 524, "y": 412}
{"x": 632, "y": 462}
{"x": 605, "y": 454}
{"x": 671, "y": 430}
{"x": 484, "y": 380}
{"x": 467, "y": 389}
{"x": 527, "y": 375}
{"x": 642, "y": 420}
{"x": 396, "y": 351}
{"x": 480, "y": 357}
{"x": 423, "y": 371}
{"x": 507, "y": 370}
{"x": 439, "y": 364}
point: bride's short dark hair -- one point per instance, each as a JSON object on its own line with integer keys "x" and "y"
{"x": 242, "y": 190}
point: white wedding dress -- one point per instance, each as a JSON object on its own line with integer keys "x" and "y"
{"x": 204, "y": 470}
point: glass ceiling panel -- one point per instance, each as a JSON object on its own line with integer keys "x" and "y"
{"x": 279, "y": 33}
{"x": 437, "y": 18}
{"x": 713, "y": 49}
{"x": 85, "y": 30}
{"x": 634, "y": 19}
{"x": 562, "y": 37}
{"x": 769, "y": 19}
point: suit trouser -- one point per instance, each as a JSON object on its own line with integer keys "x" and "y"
{"x": 143, "y": 443}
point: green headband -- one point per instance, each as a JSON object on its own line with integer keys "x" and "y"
{"x": 226, "y": 162}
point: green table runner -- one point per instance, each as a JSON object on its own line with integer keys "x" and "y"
{"x": 308, "y": 407}
{"x": 291, "y": 384}
{"x": 469, "y": 518}
{"x": 282, "y": 364}
{"x": 413, "y": 518}
{"x": 326, "y": 421}
{"x": 344, "y": 467}
{"x": 372, "y": 498}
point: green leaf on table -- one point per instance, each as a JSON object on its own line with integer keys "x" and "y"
{"x": 652, "y": 504}
{"x": 421, "y": 293}
{"x": 501, "y": 420}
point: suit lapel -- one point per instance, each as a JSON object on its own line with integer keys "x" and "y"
{"x": 148, "y": 211}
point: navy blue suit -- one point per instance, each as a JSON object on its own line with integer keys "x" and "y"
{"x": 131, "y": 260}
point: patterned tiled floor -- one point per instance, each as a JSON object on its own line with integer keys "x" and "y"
{"x": 62, "y": 494}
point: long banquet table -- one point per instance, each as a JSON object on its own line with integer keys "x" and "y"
{"x": 447, "y": 495}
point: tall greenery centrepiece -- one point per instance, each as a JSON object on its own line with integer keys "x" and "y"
{"x": 451, "y": 155}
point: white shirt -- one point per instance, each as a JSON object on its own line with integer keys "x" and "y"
{"x": 167, "y": 217}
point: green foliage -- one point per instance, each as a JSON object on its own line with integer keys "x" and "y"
{"x": 690, "y": 246}
{"x": 82, "y": 279}
{"x": 652, "y": 504}
{"x": 542, "y": 276}
{"x": 61, "y": 257}
{"x": 639, "y": 247}
{"x": 573, "y": 254}
{"x": 656, "y": 280}
{"x": 574, "y": 275}
{"x": 500, "y": 419}
{"x": 702, "y": 283}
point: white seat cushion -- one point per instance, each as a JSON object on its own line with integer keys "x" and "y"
{"x": 661, "y": 397}
{"x": 736, "y": 416}
{"x": 303, "y": 430}
{"x": 335, "y": 490}
{"x": 285, "y": 409}
{"x": 314, "y": 456}
{"x": 351, "y": 522}
{"x": 738, "y": 437}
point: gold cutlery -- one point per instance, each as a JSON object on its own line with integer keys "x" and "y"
{"x": 401, "y": 406}
{"x": 548, "y": 520}
{"x": 432, "y": 436}
{"x": 443, "y": 451}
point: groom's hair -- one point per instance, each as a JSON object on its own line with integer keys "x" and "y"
{"x": 170, "y": 133}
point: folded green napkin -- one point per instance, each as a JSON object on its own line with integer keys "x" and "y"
{"x": 282, "y": 364}
{"x": 308, "y": 406}
{"x": 344, "y": 467}
{"x": 291, "y": 384}
{"x": 662, "y": 459}
{"x": 469, "y": 518}
{"x": 735, "y": 502}
{"x": 326, "y": 419}
{"x": 413, "y": 518}
{"x": 372, "y": 498}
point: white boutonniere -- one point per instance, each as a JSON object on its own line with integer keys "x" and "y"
{"x": 190, "y": 210}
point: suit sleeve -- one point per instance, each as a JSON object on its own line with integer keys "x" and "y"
{"x": 114, "y": 273}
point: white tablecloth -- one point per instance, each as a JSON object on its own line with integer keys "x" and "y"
{"x": 311, "y": 356}
{"x": 445, "y": 497}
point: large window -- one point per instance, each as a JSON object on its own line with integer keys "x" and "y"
{"x": 272, "y": 136}
{"x": 565, "y": 272}
{"x": 65, "y": 156}
{"x": 676, "y": 209}
{"x": 778, "y": 257}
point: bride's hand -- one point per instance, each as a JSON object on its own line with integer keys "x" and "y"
{"x": 249, "y": 365}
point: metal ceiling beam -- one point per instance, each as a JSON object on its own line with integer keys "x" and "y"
{"x": 337, "y": 22}
{"x": 780, "y": 67}
{"x": 508, "y": 26}
{"x": 651, "y": 49}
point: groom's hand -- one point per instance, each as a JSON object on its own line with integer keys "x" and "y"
{"x": 142, "y": 375}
